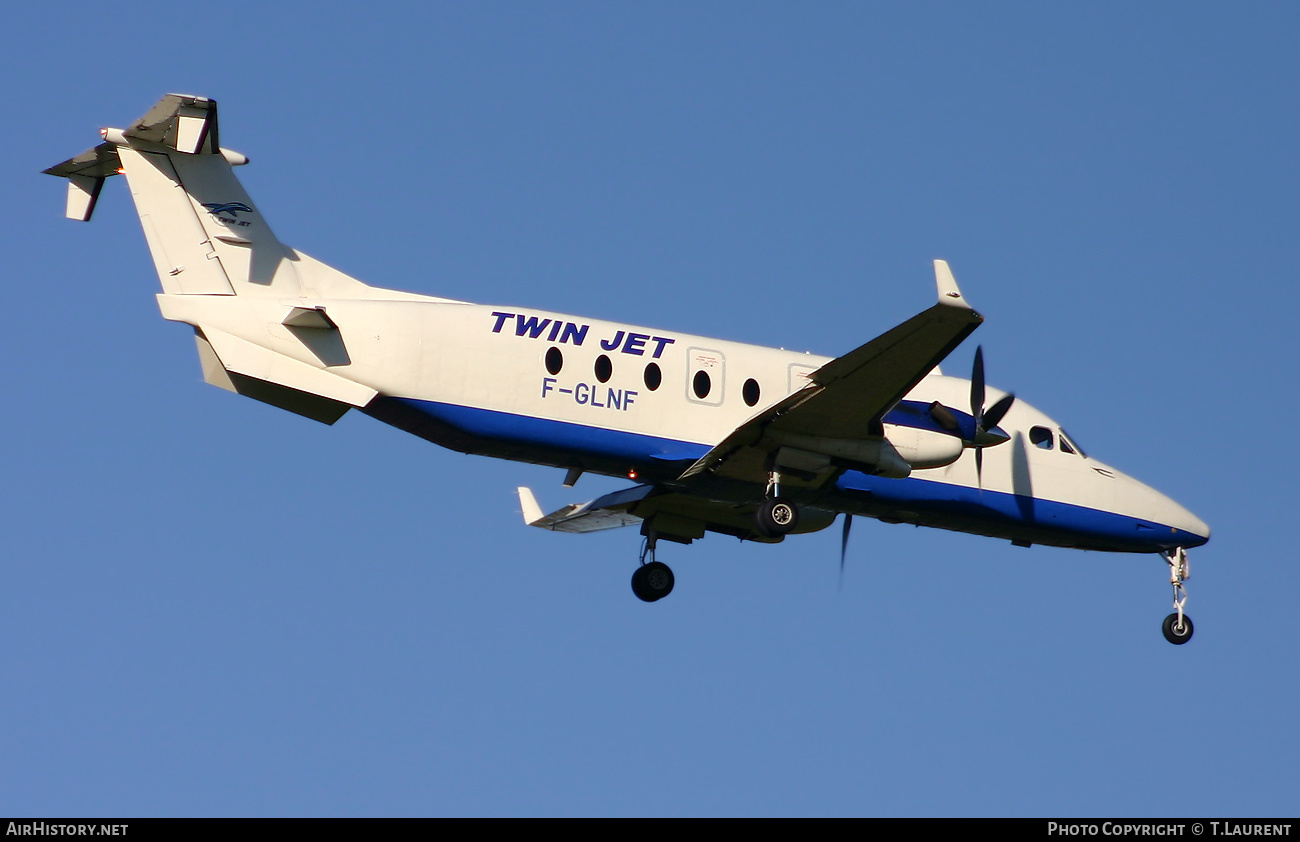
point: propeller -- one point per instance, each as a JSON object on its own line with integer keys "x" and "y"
{"x": 985, "y": 420}
{"x": 844, "y": 545}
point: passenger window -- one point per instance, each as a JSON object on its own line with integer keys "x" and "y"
{"x": 702, "y": 384}
{"x": 604, "y": 368}
{"x": 1041, "y": 437}
{"x": 554, "y": 360}
{"x": 653, "y": 376}
{"x": 750, "y": 392}
{"x": 706, "y": 376}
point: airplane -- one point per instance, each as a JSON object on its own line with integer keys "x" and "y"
{"x": 754, "y": 442}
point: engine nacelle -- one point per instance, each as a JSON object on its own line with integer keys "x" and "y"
{"x": 924, "y": 448}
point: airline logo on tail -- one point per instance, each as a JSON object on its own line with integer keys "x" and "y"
{"x": 232, "y": 208}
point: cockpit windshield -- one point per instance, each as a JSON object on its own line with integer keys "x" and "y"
{"x": 1068, "y": 444}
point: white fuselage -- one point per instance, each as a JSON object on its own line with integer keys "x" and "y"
{"x": 476, "y": 378}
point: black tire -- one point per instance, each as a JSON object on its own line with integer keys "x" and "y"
{"x": 1175, "y": 635}
{"x": 777, "y": 516}
{"x": 639, "y": 586}
{"x": 653, "y": 581}
{"x": 658, "y": 578}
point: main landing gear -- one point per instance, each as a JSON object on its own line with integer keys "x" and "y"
{"x": 777, "y": 515}
{"x": 652, "y": 580}
{"x": 1178, "y": 626}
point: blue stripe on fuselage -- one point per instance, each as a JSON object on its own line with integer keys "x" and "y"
{"x": 1091, "y": 526}
{"x": 1094, "y": 528}
{"x": 632, "y": 448}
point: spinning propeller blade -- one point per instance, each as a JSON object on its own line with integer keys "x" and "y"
{"x": 977, "y": 388}
{"x": 984, "y": 420}
{"x": 995, "y": 412}
{"x": 844, "y": 545}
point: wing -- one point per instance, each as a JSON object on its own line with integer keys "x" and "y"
{"x": 837, "y": 416}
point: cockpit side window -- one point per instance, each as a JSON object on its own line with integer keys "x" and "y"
{"x": 1041, "y": 437}
{"x": 1070, "y": 444}
{"x": 1065, "y": 445}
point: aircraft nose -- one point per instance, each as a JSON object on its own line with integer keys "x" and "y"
{"x": 1162, "y": 512}
{"x": 1193, "y": 532}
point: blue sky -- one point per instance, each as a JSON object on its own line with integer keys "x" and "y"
{"x": 214, "y": 608}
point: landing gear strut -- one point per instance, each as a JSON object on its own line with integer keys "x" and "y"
{"x": 652, "y": 580}
{"x": 1178, "y": 626}
{"x": 777, "y": 515}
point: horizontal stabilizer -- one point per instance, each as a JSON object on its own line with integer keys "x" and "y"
{"x": 98, "y": 162}
{"x": 85, "y": 174}
{"x": 607, "y": 512}
{"x": 179, "y": 121}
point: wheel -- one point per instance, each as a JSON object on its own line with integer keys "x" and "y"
{"x": 653, "y": 581}
{"x": 658, "y": 579}
{"x": 777, "y": 516}
{"x": 1175, "y": 634}
{"x": 639, "y": 586}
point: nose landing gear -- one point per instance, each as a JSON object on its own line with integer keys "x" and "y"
{"x": 1178, "y": 626}
{"x": 1175, "y": 632}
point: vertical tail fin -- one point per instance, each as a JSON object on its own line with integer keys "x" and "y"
{"x": 209, "y": 242}
{"x": 204, "y": 232}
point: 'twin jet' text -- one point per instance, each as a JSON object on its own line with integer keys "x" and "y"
{"x": 556, "y": 330}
